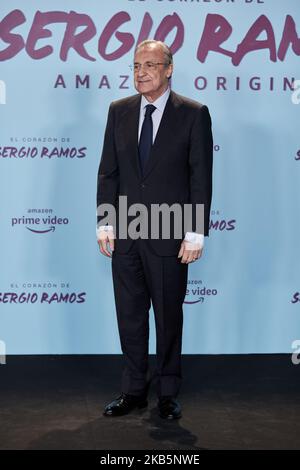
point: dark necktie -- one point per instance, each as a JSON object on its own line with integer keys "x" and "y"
{"x": 146, "y": 136}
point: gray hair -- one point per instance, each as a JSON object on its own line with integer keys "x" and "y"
{"x": 166, "y": 50}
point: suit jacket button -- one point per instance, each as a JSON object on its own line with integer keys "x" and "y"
{"x": 143, "y": 185}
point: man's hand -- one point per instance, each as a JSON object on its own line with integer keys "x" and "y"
{"x": 189, "y": 252}
{"x": 106, "y": 240}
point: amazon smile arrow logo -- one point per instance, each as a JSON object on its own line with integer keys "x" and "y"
{"x": 51, "y": 229}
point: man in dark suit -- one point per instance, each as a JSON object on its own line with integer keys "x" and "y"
{"x": 157, "y": 150}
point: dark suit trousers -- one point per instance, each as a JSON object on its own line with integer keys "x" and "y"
{"x": 140, "y": 277}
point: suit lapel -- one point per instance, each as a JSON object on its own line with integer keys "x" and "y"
{"x": 131, "y": 119}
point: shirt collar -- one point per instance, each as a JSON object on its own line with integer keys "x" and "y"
{"x": 159, "y": 103}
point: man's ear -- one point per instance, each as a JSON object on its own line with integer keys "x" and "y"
{"x": 169, "y": 76}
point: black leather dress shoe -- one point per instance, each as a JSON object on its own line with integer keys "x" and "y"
{"x": 169, "y": 408}
{"x": 124, "y": 404}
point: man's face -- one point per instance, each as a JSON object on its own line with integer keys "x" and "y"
{"x": 151, "y": 82}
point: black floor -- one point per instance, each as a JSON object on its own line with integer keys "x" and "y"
{"x": 229, "y": 402}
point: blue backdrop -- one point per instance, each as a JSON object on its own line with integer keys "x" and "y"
{"x": 61, "y": 64}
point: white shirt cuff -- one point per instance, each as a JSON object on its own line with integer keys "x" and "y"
{"x": 103, "y": 228}
{"x": 195, "y": 238}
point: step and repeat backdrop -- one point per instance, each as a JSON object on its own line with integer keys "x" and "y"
{"x": 61, "y": 64}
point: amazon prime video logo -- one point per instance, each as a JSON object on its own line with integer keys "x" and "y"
{"x": 39, "y": 221}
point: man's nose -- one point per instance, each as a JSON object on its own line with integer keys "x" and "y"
{"x": 141, "y": 71}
